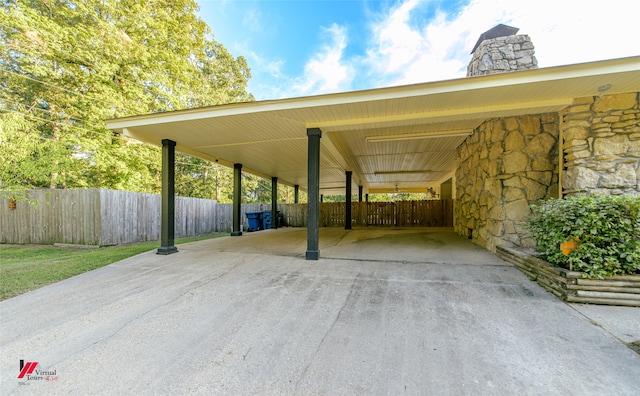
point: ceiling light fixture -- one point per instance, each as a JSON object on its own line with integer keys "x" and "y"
{"x": 432, "y": 192}
{"x": 423, "y": 135}
{"x": 401, "y": 172}
{"x": 604, "y": 88}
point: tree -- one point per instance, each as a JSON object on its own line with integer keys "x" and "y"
{"x": 202, "y": 179}
{"x": 66, "y": 66}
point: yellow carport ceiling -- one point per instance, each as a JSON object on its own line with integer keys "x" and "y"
{"x": 269, "y": 137}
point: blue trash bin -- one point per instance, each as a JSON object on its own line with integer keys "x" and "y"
{"x": 255, "y": 220}
{"x": 266, "y": 220}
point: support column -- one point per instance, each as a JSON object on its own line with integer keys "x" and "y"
{"x": 366, "y": 198}
{"x": 274, "y": 202}
{"x": 237, "y": 200}
{"x": 359, "y": 193}
{"x": 296, "y": 190}
{"x": 347, "y": 211}
{"x": 321, "y": 198}
{"x": 313, "y": 206}
{"x": 167, "y": 227}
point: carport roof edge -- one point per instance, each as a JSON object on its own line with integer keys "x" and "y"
{"x": 249, "y": 132}
{"x": 620, "y": 65}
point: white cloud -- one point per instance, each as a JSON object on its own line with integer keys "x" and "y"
{"x": 396, "y": 42}
{"x": 402, "y": 53}
{"x": 404, "y": 48}
{"x": 327, "y": 71}
{"x": 563, "y": 32}
{"x": 579, "y": 31}
{"x": 253, "y": 20}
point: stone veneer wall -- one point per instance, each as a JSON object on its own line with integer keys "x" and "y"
{"x": 503, "y": 167}
{"x": 601, "y": 145}
{"x": 501, "y": 55}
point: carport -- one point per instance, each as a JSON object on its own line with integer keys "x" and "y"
{"x": 397, "y": 139}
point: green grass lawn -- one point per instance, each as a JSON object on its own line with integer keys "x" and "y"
{"x": 28, "y": 267}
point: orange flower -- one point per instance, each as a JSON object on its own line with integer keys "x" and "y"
{"x": 569, "y": 246}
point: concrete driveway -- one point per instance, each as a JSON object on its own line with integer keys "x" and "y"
{"x": 384, "y": 311}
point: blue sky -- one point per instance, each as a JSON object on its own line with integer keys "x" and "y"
{"x": 308, "y": 47}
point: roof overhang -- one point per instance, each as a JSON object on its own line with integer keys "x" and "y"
{"x": 393, "y": 139}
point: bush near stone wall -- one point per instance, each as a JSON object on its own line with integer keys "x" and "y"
{"x": 605, "y": 229}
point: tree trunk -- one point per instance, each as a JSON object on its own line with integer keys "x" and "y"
{"x": 53, "y": 184}
{"x": 217, "y": 184}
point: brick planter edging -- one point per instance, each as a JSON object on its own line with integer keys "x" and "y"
{"x": 570, "y": 286}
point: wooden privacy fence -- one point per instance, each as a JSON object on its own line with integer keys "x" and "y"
{"x": 98, "y": 217}
{"x": 108, "y": 217}
{"x": 294, "y": 215}
{"x": 391, "y": 214}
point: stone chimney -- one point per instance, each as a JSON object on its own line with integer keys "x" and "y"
{"x": 500, "y": 50}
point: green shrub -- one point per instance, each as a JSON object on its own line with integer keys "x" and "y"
{"x": 607, "y": 231}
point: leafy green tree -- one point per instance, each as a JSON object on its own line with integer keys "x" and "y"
{"x": 202, "y": 179}
{"x": 25, "y": 157}
{"x": 66, "y": 66}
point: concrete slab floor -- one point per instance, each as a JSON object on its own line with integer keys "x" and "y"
{"x": 411, "y": 311}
